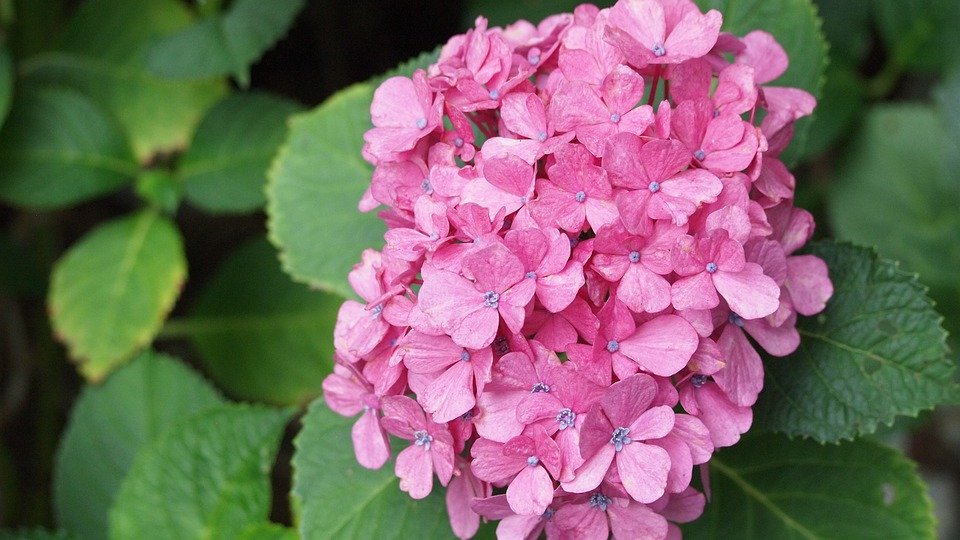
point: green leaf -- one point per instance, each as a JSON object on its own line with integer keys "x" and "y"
{"x": 796, "y": 26}
{"x": 502, "y": 13}
{"x": 226, "y": 43}
{"x": 773, "y": 487}
{"x": 268, "y": 531}
{"x": 103, "y": 55}
{"x": 58, "y": 148}
{"x": 209, "y": 478}
{"x": 948, "y": 101}
{"x": 111, "y": 291}
{"x": 34, "y": 534}
{"x": 902, "y": 161}
{"x": 260, "y": 335}
{"x": 7, "y": 78}
{"x": 109, "y": 425}
{"x": 876, "y": 352}
{"x": 920, "y": 35}
{"x": 838, "y": 111}
{"x": 313, "y": 189}
{"x": 337, "y": 498}
{"x": 225, "y": 168}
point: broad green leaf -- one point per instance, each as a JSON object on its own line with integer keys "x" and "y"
{"x": 948, "y": 101}
{"x": 37, "y": 26}
{"x": 920, "y": 35}
{"x": 839, "y": 109}
{"x": 268, "y": 531}
{"x": 503, "y": 13}
{"x": 58, "y": 148}
{"x": 796, "y": 26}
{"x": 111, "y": 291}
{"x": 875, "y": 353}
{"x": 225, "y": 167}
{"x": 773, "y": 487}
{"x": 109, "y": 425}
{"x": 35, "y": 534}
{"x": 848, "y": 28}
{"x": 313, "y": 190}
{"x": 337, "y": 498}
{"x": 902, "y": 160}
{"x": 7, "y": 78}
{"x": 260, "y": 335}
{"x": 209, "y": 478}
{"x": 103, "y": 54}
{"x": 225, "y": 43}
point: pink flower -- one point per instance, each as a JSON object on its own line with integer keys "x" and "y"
{"x": 403, "y": 111}
{"x": 545, "y": 256}
{"x": 637, "y": 264}
{"x": 577, "y": 193}
{"x": 722, "y": 143}
{"x": 463, "y": 488}
{"x": 346, "y": 394}
{"x": 594, "y": 516}
{"x": 662, "y": 31}
{"x": 614, "y": 432}
{"x": 525, "y": 463}
{"x": 431, "y": 451}
{"x": 507, "y": 183}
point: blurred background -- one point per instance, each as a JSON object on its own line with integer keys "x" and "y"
{"x": 880, "y": 166}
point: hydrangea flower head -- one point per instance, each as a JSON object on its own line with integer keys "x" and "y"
{"x": 589, "y": 234}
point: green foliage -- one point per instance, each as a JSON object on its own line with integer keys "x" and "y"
{"x": 260, "y": 335}
{"x": 209, "y": 478}
{"x": 268, "y": 531}
{"x": 337, "y": 498}
{"x": 35, "y": 534}
{"x": 223, "y": 43}
{"x": 6, "y": 83}
{"x": 109, "y": 425}
{"x": 224, "y": 169}
{"x": 103, "y": 55}
{"x": 903, "y": 159}
{"x": 920, "y": 35}
{"x": 111, "y": 291}
{"x": 772, "y": 487}
{"x": 58, "y": 148}
{"x": 314, "y": 185}
{"x": 876, "y": 352}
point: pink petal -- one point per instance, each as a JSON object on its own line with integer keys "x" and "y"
{"x": 764, "y": 55}
{"x": 451, "y": 394}
{"x": 742, "y": 377}
{"x": 643, "y": 291}
{"x": 694, "y": 292}
{"x": 809, "y": 284}
{"x": 776, "y": 340}
{"x": 663, "y": 345}
{"x": 643, "y": 470}
{"x": 693, "y": 36}
{"x": 402, "y": 416}
{"x": 415, "y": 470}
{"x": 531, "y": 491}
{"x": 556, "y": 292}
{"x": 370, "y": 443}
{"x": 636, "y": 521}
{"x": 655, "y": 423}
{"x": 498, "y": 415}
{"x": 750, "y": 293}
{"x": 725, "y": 420}
{"x": 460, "y": 492}
{"x": 591, "y": 473}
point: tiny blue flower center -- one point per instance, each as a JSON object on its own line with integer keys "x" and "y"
{"x": 711, "y": 267}
{"x": 426, "y": 186}
{"x": 620, "y": 438}
{"x": 530, "y": 275}
{"x": 613, "y": 346}
{"x": 580, "y": 196}
{"x": 421, "y": 123}
{"x": 422, "y": 438}
{"x": 698, "y": 380}
{"x": 654, "y": 187}
{"x": 494, "y": 94}
{"x": 736, "y": 319}
{"x": 465, "y": 356}
{"x": 566, "y": 417}
{"x": 615, "y": 118}
{"x": 491, "y": 299}
{"x": 634, "y": 256}
{"x": 658, "y": 50}
{"x": 548, "y": 514}
{"x": 540, "y": 387}
{"x": 699, "y": 154}
{"x": 542, "y": 136}
{"x": 533, "y": 461}
{"x": 458, "y": 142}
{"x": 534, "y": 59}
{"x": 377, "y": 309}
{"x": 599, "y": 500}
{"x": 467, "y": 416}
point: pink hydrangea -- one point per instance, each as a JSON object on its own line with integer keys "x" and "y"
{"x": 590, "y": 237}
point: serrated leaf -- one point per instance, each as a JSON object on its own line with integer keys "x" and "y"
{"x": 878, "y": 351}
{"x": 109, "y": 424}
{"x": 902, "y": 160}
{"x": 773, "y": 487}
{"x": 314, "y": 186}
{"x": 796, "y": 26}
{"x": 103, "y": 55}
{"x": 225, "y": 167}
{"x": 337, "y": 498}
{"x": 224, "y": 43}
{"x": 111, "y": 291}
{"x": 59, "y": 148}
{"x": 260, "y": 335}
{"x": 209, "y": 478}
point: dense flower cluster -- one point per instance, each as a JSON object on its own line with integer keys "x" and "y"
{"x": 586, "y": 219}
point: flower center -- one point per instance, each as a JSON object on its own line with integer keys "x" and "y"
{"x": 494, "y": 94}
{"x": 699, "y": 154}
{"x": 548, "y": 514}
{"x": 634, "y": 256}
{"x": 580, "y": 196}
{"x": 422, "y": 438}
{"x": 615, "y": 118}
{"x": 421, "y": 123}
{"x": 377, "y": 309}
{"x": 620, "y": 438}
{"x": 491, "y": 299}
{"x": 530, "y": 275}
{"x": 736, "y": 319}
{"x": 534, "y": 59}
{"x": 698, "y": 380}
{"x": 465, "y": 356}
{"x": 566, "y": 417}
{"x": 599, "y": 500}
{"x": 426, "y": 186}
{"x": 654, "y": 187}
{"x": 613, "y": 346}
{"x": 542, "y": 136}
{"x": 540, "y": 387}
{"x": 458, "y": 142}
{"x": 658, "y": 50}
{"x": 711, "y": 267}
{"x": 533, "y": 461}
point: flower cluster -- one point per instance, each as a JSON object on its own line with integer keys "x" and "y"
{"x": 586, "y": 219}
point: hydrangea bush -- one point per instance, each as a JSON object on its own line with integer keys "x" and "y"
{"x": 586, "y": 219}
